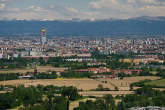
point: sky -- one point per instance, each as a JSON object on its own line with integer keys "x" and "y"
{"x": 79, "y": 9}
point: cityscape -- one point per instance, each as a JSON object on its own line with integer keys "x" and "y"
{"x": 82, "y": 46}
{"x": 95, "y": 66}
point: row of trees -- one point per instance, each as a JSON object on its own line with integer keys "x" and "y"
{"x": 72, "y": 74}
{"x": 13, "y": 63}
{"x": 52, "y": 75}
{"x": 9, "y": 76}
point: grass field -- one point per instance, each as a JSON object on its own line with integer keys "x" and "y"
{"x": 158, "y": 83}
{"x": 39, "y": 69}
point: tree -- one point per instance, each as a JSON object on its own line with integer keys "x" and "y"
{"x": 109, "y": 99}
{"x": 70, "y": 92}
{"x": 116, "y": 88}
{"x": 61, "y": 103}
{"x": 131, "y": 87}
{"x": 122, "y": 106}
{"x": 35, "y": 73}
{"x": 100, "y": 87}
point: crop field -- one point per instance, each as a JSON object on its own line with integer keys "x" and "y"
{"x": 39, "y": 69}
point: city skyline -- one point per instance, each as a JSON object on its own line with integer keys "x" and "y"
{"x": 74, "y": 9}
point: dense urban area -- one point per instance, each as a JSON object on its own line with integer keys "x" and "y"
{"x": 82, "y": 73}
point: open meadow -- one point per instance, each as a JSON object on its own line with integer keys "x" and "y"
{"x": 158, "y": 83}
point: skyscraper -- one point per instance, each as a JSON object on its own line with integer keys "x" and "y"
{"x": 43, "y": 40}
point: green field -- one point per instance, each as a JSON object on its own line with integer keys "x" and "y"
{"x": 158, "y": 83}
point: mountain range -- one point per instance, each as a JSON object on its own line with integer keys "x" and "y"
{"x": 144, "y": 25}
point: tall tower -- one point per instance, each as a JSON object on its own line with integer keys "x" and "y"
{"x": 43, "y": 40}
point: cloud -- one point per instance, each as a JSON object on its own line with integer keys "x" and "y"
{"x": 96, "y": 9}
{"x": 129, "y": 8}
{"x": 34, "y": 8}
{"x": 33, "y": 12}
{"x": 72, "y": 10}
{"x": 109, "y": 4}
{"x": 2, "y": 6}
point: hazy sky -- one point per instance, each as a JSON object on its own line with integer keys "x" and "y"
{"x": 79, "y": 9}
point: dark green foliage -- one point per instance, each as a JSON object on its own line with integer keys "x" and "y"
{"x": 39, "y": 98}
{"x": 155, "y": 63}
{"x": 98, "y": 56}
{"x": 114, "y": 63}
{"x": 143, "y": 97}
{"x": 61, "y": 103}
{"x": 70, "y": 92}
{"x": 145, "y": 72}
{"x": 47, "y": 76}
{"x": 72, "y": 74}
{"x": 144, "y": 83}
{"x": 105, "y": 103}
{"x": 37, "y": 107}
{"x": 13, "y": 63}
{"x": 140, "y": 83}
{"x": 116, "y": 88}
{"x": 9, "y": 76}
{"x": 60, "y": 62}
{"x": 20, "y": 95}
{"x": 161, "y": 72}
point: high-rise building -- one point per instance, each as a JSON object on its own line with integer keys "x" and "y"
{"x": 43, "y": 39}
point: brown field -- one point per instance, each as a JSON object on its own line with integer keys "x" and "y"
{"x": 84, "y": 84}
{"x": 39, "y": 69}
